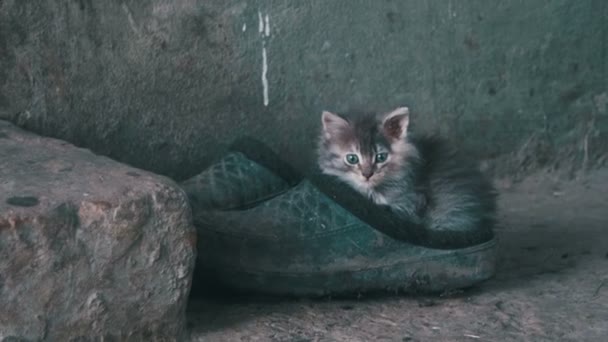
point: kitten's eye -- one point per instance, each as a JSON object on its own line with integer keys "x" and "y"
{"x": 381, "y": 157}
{"x": 352, "y": 159}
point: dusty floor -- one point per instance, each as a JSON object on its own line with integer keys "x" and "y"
{"x": 551, "y": 285}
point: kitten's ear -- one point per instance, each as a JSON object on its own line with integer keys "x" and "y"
{"x": 395, "y": 122}
{"x": 332, "y": 123}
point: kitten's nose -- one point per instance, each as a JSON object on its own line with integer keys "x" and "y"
{"x": 367, "y": 174}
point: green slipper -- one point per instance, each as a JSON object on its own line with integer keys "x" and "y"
{"x": 232, "y": 182}
{"x": 301, "y": 243}
{"x": 283, "y": 240}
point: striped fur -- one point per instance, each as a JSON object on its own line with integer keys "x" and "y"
{"x": 422, "y": 180}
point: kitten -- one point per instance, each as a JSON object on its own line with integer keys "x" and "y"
{"x": 420, "y": 179}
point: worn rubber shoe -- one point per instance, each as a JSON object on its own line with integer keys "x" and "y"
{"x": 285, "y": 240}
{"x": 233, "y": 182}
{"x": 301, "y": 243}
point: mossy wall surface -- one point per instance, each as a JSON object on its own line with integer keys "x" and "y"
{"x": 167, "y": 85}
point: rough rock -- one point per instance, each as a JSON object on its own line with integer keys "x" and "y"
{"x": 89, "y": 248}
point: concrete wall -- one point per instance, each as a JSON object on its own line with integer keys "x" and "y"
{"x": 166, "y": 85}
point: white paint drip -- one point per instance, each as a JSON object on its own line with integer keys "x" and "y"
{"x": 267, "y": 26}
{"x": 264, "y": 74}
{"x": 260, "y": 22}
{"x": 264, "y": 30}
{"x": 130, "y": 18}
{"x": 244, "y": 27}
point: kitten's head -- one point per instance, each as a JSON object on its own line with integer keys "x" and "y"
{"x": 365, "y": 150}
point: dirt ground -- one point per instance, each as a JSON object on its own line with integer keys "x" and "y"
{"x": 551, "y": 285}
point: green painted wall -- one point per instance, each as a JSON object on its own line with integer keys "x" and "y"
{"x": 166, "y": 85}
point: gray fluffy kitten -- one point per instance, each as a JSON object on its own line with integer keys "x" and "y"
{"x": 420, "y": 178}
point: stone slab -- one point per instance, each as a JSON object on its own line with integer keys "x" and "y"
{"x": 89, "y": 248}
